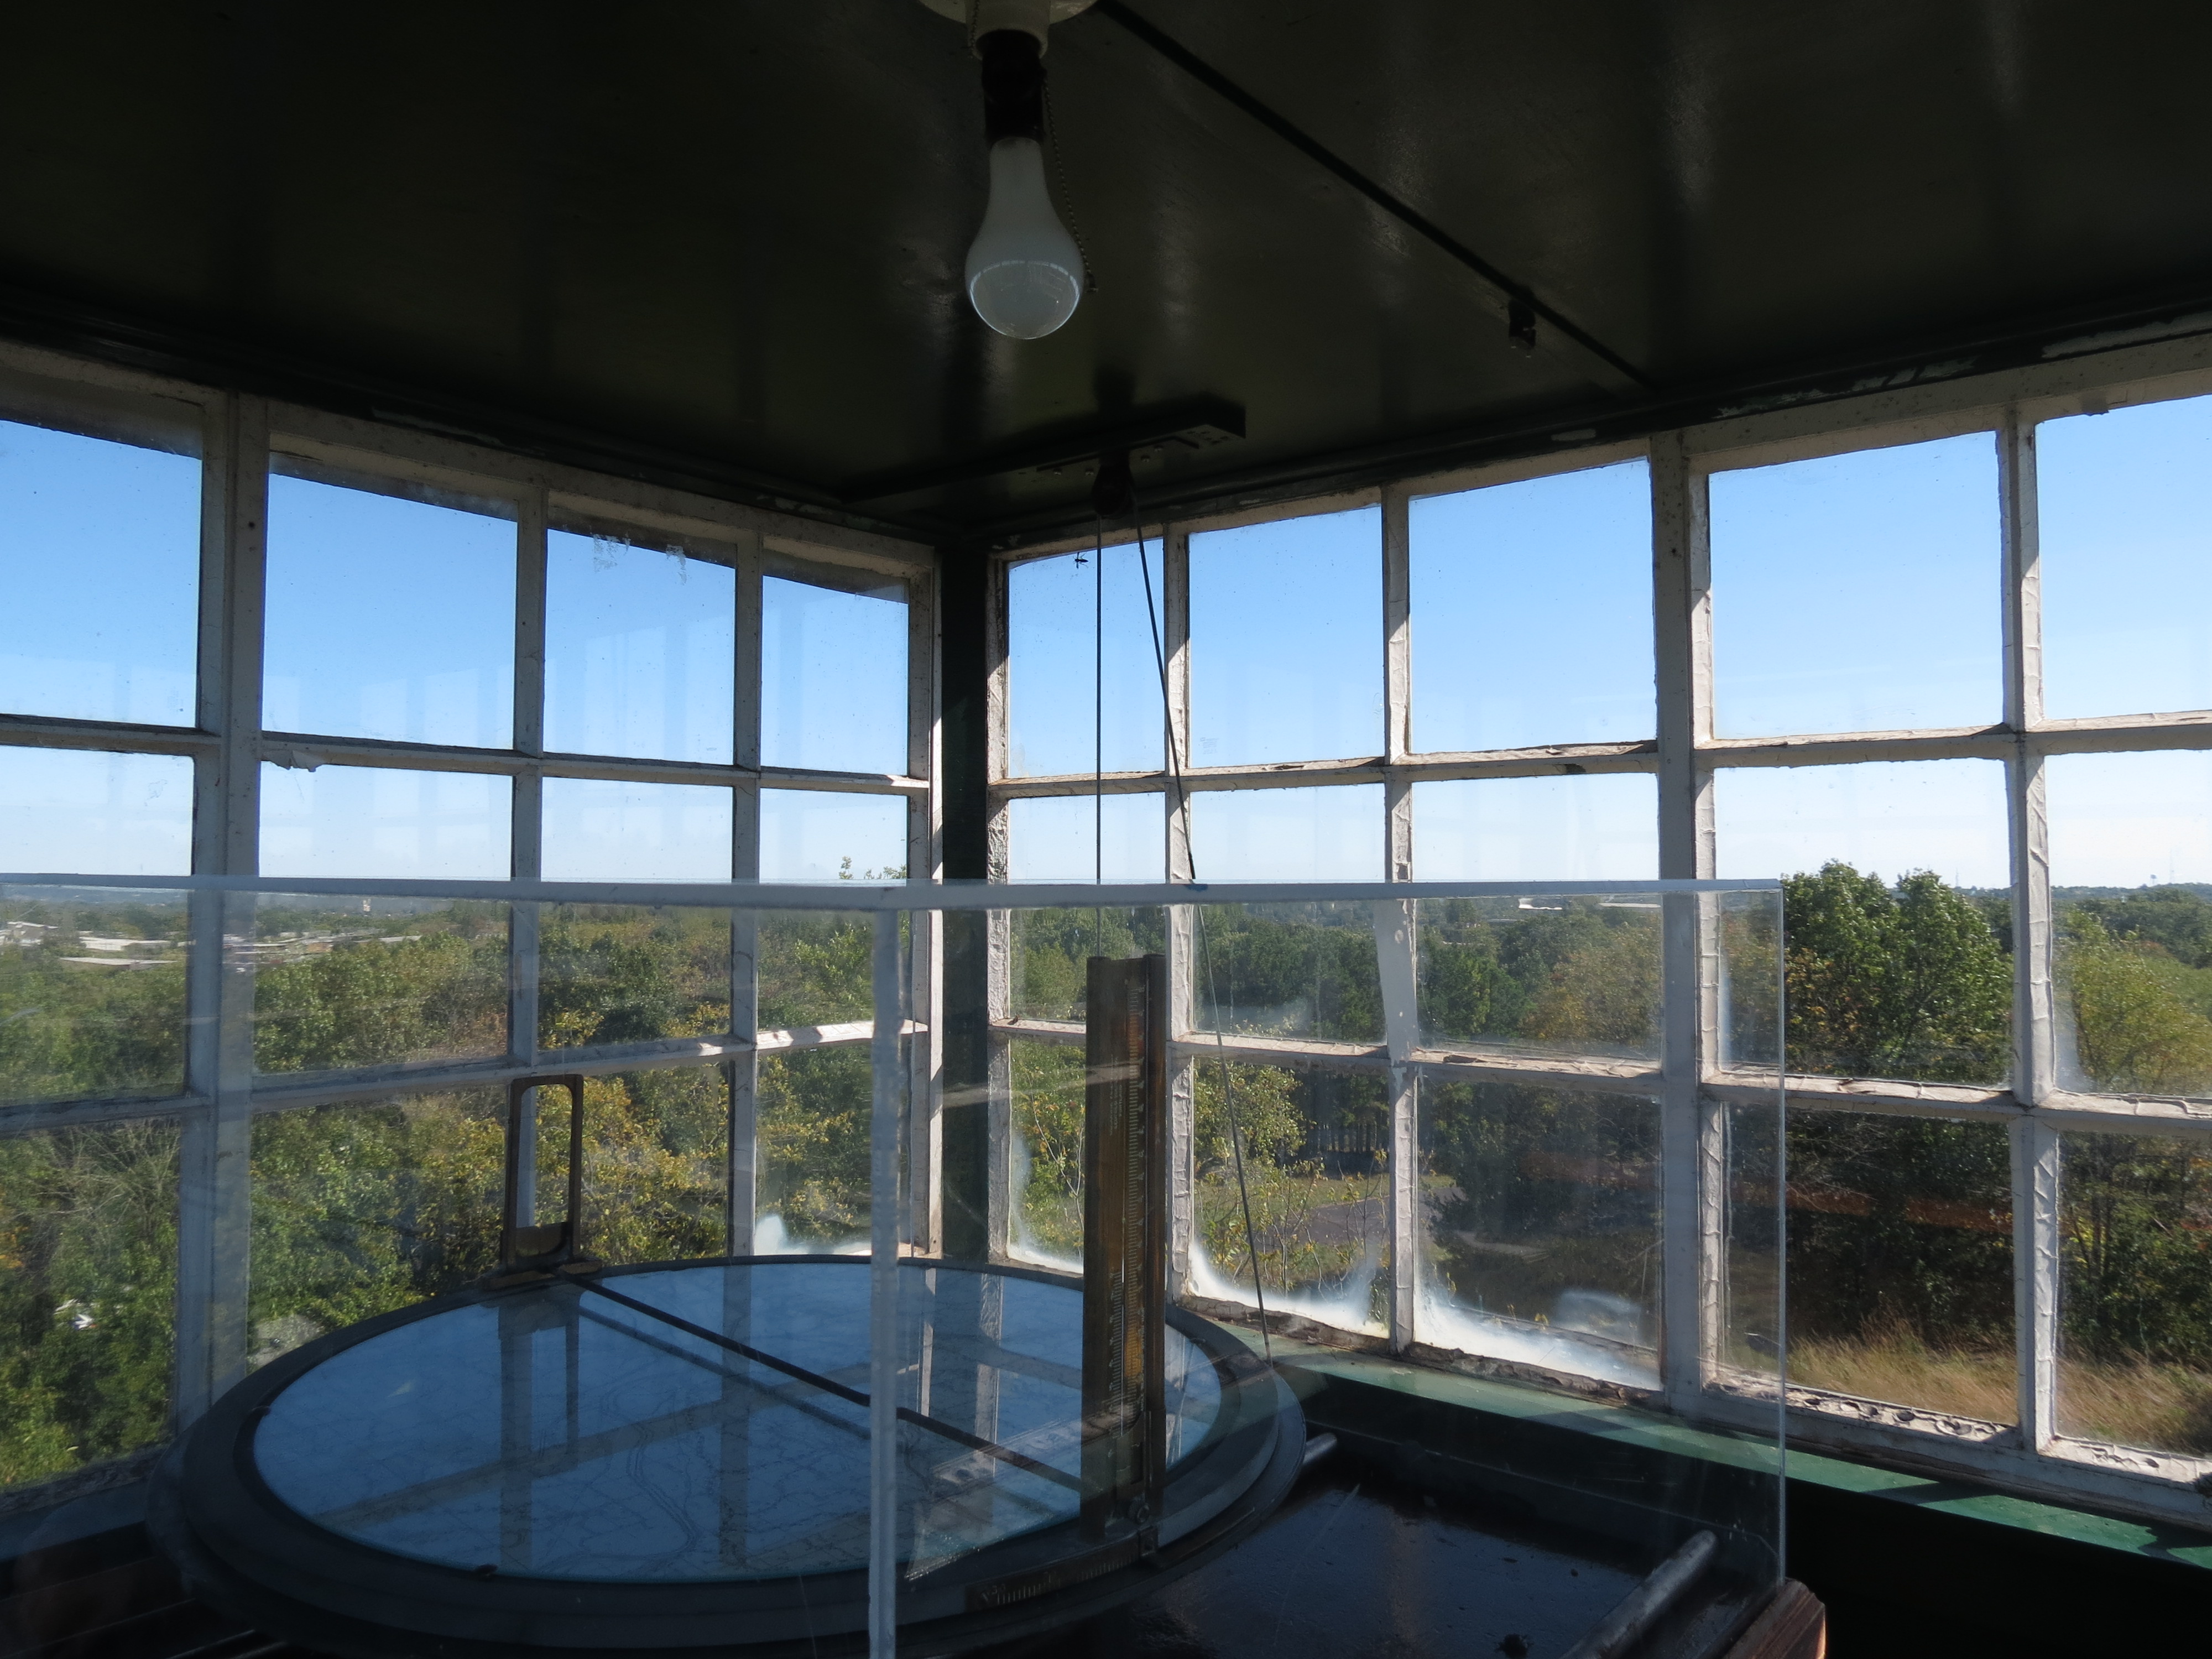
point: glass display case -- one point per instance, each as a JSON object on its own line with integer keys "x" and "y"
{"x": 541, "y": 1266}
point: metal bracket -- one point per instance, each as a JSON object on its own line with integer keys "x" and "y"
{"x": 528, "y": 1251}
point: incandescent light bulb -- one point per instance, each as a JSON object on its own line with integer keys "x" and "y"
{"x": 1025, "y": 271}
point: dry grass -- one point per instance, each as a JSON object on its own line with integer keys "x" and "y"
{"x": 1896, "y": 1365}
{"x": 2137, "y": 1402}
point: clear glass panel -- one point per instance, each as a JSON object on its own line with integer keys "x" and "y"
{"x": 1044, "y": 1214}
{"x": 1896, "y": 551}
{"x": 1295, "y": 970}
{"x": 1057, "y": 838}
{"x": 639, "y": 651}
{"x": 385, "y": 823}
{"x": 364, "y": 981}
{"x": 88, "y": 1303}
{"x": 2135, "y": 1355}
{"x": 1332, "y": 834}
{"x": 814, "y": 1107}
{"x": 1884, "y": 863}
{"x": 2132, "y": 882}
{"x": 631, "y": 972}
{"x": 1900, "y": 1262}
{"x": 92, "y": 992}
{"x": 1600, "y": 828}
{"x": 1286, "y": 639}
{"x": 1574, "y": 975}
{"x": 82, "y": 521}
{"x": 1755, "y": 1340}
{"x": 810, "y": 835}
{"x": 359, "y": 1209}
{"x": 1047, "y": 951}
{"x": 814, "y": 968}
{"x": 2124, "y": 504}
{"x": 833, "y": 677}
{"x": 86, "y": 813}
{"x": 1532, "y": 613}
{"x": 352, "y": 648}
{"x": 1055, "y": 611}
{"x": 1540, "y": 1211}
{"x": 1315, "y": 1156}
{"x": 596, "y": 829}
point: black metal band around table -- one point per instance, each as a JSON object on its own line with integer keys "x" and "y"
{"x": 959, "y": 1437}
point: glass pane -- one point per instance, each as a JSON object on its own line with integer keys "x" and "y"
{"x": 833, "y": 677}
{"x": 600, "y": 830}
{"x": 86, "y": 812}
{"x": 2131, "y": 875}
{"x": 815, "y": 969}
{"x": 1054, "y": 612}
{"x": 1056, "y": 838}
{"x": 2135, "y": 1356}
{"x": 2124, "y": 503}
{"x": 358, "y": 1210}
{"x": 1895, "y": 552}
{"x": 1540, "y": 1219}
{"x": 639, "y": 651}
{"x": 1900, "y": 1262}
{"x": 1334, "y": 834}
{"x": 1885, "y": 863}
{"x": 387, "y": 619}
{"x": 1578, "y": 975}
{"x": 810, "y": 834}
{"x": 1048, "y": 952}
{"x": 365, "y": 982}
{"x": 813, "y": 1158}
{"x": 1286, "y": 639}
{"x": 92, "y": 994}
{"x": 1315, "y": 1147}
{"x": 82, "y": 521}
{"x": 1044, "y": 1221}
{"x": 1600, "y": 828}
{"x": 385, "y": 823}
{"x": 631, "y": 972}
{"x": 1295, "y": 970}
{"x": 1532, "y": 612}
{"x": 88, "y": 1305}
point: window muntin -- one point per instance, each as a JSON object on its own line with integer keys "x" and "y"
{"x": 1054, "y": 668}
{"x": 88, "y": 811}
{"x": 814, "y": 834}
{"x": 833, "y": 677}
{"x": 1325, "y": 833}
{"x": 2125, "y": 528}
{"x": 1858, "y": 592}
{"x": 1057, "y": 838}
{"x": 100, "y": 557}
{"x": 1286, "y": 639}
{"x": 387, "y": 617}
{"x": 1602, "y": 827}
{"x": 388, "y": 824}
{"x": 597, "y": 829}
{"x": 2130, "y": 862}
{"x": 639, "y": 651}
{"x": 1532, "y": 611}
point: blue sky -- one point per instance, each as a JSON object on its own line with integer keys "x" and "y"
{"x": 394, "y": 618}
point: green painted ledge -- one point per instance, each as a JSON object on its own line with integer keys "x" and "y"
{"x": 1631, "y": 1425}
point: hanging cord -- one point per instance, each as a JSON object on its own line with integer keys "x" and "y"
{"x": 1205, "y": 955}
{"x": 1067, "y": 201}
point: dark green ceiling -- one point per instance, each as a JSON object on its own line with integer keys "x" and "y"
{"x": 722, "y": 242}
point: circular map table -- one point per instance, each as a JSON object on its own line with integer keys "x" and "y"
{"x": 675, "y": 1459}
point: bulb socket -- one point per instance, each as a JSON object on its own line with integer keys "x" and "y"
{"x": 1014, "y": 85}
